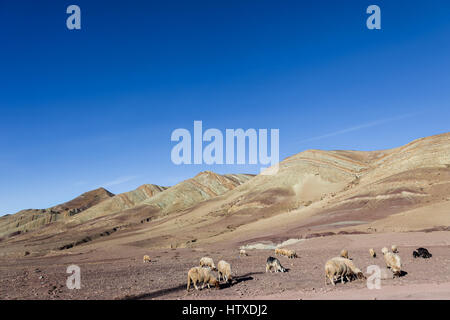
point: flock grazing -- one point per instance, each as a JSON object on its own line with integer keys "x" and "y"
{"x": 341, "y": 268}
{"x": 201, "y": 275}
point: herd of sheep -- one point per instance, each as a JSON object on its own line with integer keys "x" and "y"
{"x": 340, "y": 268}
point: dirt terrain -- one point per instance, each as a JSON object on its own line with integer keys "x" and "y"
{"x": 119, "y": 273}
{"x": 327, "y": 199}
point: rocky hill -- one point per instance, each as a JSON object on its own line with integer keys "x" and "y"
{"x": 314, "y": 193}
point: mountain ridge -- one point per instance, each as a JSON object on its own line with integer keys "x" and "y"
{"x": 314, "y": 192}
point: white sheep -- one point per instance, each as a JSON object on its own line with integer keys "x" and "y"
{"x": 243, "y": 253}
{"x": 341, "y": 268}
{"x": 291, "y": 254}
{"x": 344, "y": 253}
{"x": 207, "y": 262}
{"x": 201, "y": 275}
{"x": 394, "y": 263}
{"x": 224, "y": 269}
{"x": 335, "y": 270}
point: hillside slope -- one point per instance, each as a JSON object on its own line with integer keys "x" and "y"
{"x": 31, "y": 219}
{"x": 321, "y": 192}
{"x": 125, "y": 211}
{"x": 314, "y": 193}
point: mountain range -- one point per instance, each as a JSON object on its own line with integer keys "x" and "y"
{"x": 314, "y": 193}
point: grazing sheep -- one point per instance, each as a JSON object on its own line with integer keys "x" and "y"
{"x": 146, "y": 259}
{"x": 224, "y": 269}
{"x": 384, "y": 250}
{"x": 354, "y": 272}
{"x": 422, "y": 252}
{"x": 341, "y": 268}
{"x": 243, "y": 253}
{"x": 200, "y": 274}
{"x": 207, "y": 262}
{"x": 291, "y": 254}
{"x": 372, "y": 252}
{"x": 274, "y": 263}
{"x": 393, "y": 262}
{"x": 335, "y": 270}
{"x": 344, "y": 253}
{"x": 394, "y": 248}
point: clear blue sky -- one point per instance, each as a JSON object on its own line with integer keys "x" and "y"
{"x": 96, "y": 107}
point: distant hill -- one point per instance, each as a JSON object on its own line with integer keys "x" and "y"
{"x": 314, "y": 193}
{"x": 31, "y": 219}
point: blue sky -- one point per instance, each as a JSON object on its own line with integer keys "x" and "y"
{"x": 96, "y": 107}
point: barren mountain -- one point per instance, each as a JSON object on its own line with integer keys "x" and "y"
{"x": 121, "y": 202}
{"x": 31, "y": 219}
{"x": 123, "y": 211}
{"x": 314, "y": 193}
{"x": 318, "y": 193}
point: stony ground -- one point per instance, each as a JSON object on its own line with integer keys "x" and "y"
{"x": 119, "y": 273}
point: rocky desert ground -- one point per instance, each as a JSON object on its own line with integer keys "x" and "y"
{"x": 318, "y": 203}
{"x": 119, "y": 273}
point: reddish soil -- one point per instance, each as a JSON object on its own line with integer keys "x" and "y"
{"x": 118, "y": 272}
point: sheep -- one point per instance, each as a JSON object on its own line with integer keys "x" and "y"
{"x": 274, "y": 263}
{"x": 422, "y": 252}
{"x": 224, "y": 269}
{"x": 291, "y": 254}
{"x": 207, "y": 262}
{"x": 341, "y": 268}
{"x": 384, "y": 250}
{"x": 344, "y": 253}
{"x": 355, "y": 272}
{"x": 146, "y": 259}
{"x": 200, "y": 274}
{"x": 243, "y": 253}
{"x": 286, "y": 252}
{"x": 394, "y": 248}
{"x": 372, "y": 252}
{"x": 394, "y": 263}
{"x": 335, "y": 270}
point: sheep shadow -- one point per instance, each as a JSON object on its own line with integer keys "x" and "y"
{"x": 403, "y": 273}
{"x": 239, "y": 279}
{"x": 286, "y": 270}
{"x": 182, "y": 287}
{"x": 155, "y": 294}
